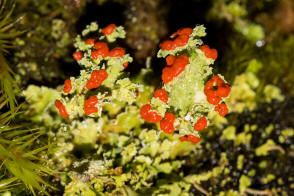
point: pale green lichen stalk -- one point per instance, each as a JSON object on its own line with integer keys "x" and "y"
{"x": 187, "y": 99}
{"x": 113, "y": 87}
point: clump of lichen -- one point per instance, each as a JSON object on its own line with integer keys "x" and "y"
{"x": 113, "y": 151}
{"x": 189, "y": 90}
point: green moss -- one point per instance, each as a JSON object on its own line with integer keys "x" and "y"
{"x": 86, "y": 133}
{"x": 236, "y": 9}
{"x": 272, "y": 92}
{"x": 242, "y": 95}
{"x": 240, "y": 162}
{"x": 229, "y": 133}
{"x": 262, "y": 164}
{"x": 268, "y": 178}
{"x": 244, "y": 183}
{"x": 288, "y": 132}
{"x": 229, "y": 193}
{"x": 263, "y": 149}
{"x": 252, "y": 173}
{"x": 254, "y": 66}
{"x": 269, "y": 129}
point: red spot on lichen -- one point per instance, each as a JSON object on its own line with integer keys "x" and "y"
{"x": 149, "y": 116}
{"x": 61, "y": 108}
{"x": 167, "y": 124}
{"x": 78, "y": 55}
{"x": 209, "y": 53}
{"x": 117, "y": 52}
{"x": 67, "y": 86}
{"x": 96, "y": 79}
{"x": 109, "y": 29}
{"x": 89, "y": 105}
{"x": 200, "y": 124}
{"x": 161, "y": 94}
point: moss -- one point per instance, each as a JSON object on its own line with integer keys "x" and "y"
{"x": 263, "y": 149}
{"x": 229, "y": 133}
{"x": 268, "y": 178}
{"x": 269, "y": 129}
{"x": 262, "y": 164}
{"x": 272, "y": 92}
{"x": 242, "y": 94}
{"x": 240, "y": 162}
{"x": 244, "y": 183}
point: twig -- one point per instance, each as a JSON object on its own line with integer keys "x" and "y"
{"x": 258, "y": 192}
{"x": 201, "y": 189}
{"x": 279, "y": 148}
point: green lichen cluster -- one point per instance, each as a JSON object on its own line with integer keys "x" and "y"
{"x": 115, "y": 153}
{"x": 116, "y": 150}
{"x": 114, "y": 87}
{"x": 186, "y": 96}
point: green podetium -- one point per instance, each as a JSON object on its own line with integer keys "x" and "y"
{"x": 188, "y": 93}
{"x": 100, "y": 81}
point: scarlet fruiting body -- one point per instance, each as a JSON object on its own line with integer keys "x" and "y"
{"x": 89, "y": 105}
{"x": 180, "y": 40}
{"x": 117, "y": 52}
{"x": 170, "y": 60}
{"x": 166, "y": 45}
{"x": 100, "y": 45}
{"x": 67, "y": 86}
{"x": 167, "y": 75}
{"x": 183, "y": 31}
{"x": 101, "y": 49}
{"x": 216, "y": 88}
{"x": 200, "y": 124}
{"x": 191, "y": 138}
{"x": 61, "y": 108}
{"x": 149, "y": 116}
{"x": 90, "y": 41}
{"x": 223, "y": 90}
{"x": 78, "y": 55}
{"x": 109, "y": 29}
{"x": 126, "y": 64}
{"x": 221, "y": 109}
{"x": 180, "y": 64}
{"x": 209, "y": 53}
{"x": 167, "y": 124}
{"x": 214, "y": 100}
{"x": 161, "y": 94}
{"x": 96, "y": 79}
{"x": 184, "y": 138}
{"x": 175, "y": 69}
